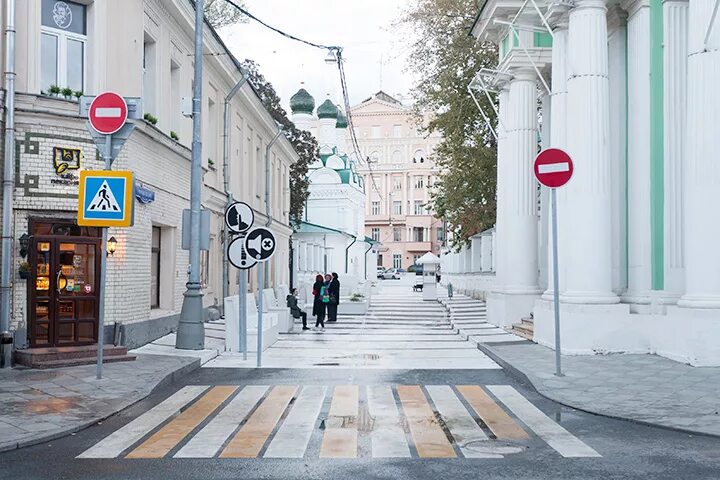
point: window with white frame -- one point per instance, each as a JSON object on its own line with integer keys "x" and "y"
{"x": 397, "y": 234}
{"x": 63, "y": 39}
{"x": 397, "y": 184}
{"x": 418, "y": 234}
{"x": 419, "y": 207}
{"x": 375, "y": 207}
{"x": 397, "y": 260}
{"x": 419, "y": 182}
{"x": 397, "y": 207}
{"x": 416, "y": 258}
{"x": 376, "y": 234}
{"x": 376, "y": 131}
{"x": 397, "y": 131}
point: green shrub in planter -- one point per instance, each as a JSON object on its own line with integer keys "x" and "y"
{"x": 78, "y": 94}
{"x": 174, "y": 136}
{"x": 150, "y": 118}
{"x": 55, "y": 90}
{"x": 67, "y": 92}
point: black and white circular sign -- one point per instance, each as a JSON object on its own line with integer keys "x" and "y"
{"x": 260, "y": 244}
{"x": 239, "y": 217}
{"x": 237, "y": 255}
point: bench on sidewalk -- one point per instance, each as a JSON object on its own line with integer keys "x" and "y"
{"x": 232, "y": 325}
{"x": 271, "y": 304}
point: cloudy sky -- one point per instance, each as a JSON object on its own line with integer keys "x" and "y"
{"x": 375, "y": 52}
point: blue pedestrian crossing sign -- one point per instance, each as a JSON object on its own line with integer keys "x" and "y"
{"x": 106, "y": 198}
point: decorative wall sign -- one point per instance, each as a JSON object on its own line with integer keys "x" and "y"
{"x": 66, "y": 159}
{"x": 144, "y": 195}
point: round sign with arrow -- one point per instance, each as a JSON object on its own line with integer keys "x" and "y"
{"x": 260, "y": 244}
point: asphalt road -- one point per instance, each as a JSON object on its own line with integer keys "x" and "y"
{"x": 433, "y": 412}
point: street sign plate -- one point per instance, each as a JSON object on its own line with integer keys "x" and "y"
{"x": 260, "y": 244}
{"x": 553, "y": 167}
{"x": 239, "y": 217}
{"x": 106, "y": 198}
{"x": 237, "y": 255}
{"x": 108, "y": 112}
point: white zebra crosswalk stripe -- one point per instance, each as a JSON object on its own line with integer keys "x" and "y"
{"x": 211, "y": 438}
{"x": 553, "y": 434}
{"x": 124, "y": 438}
{"x": 462, "y": 426}
{"x": 387, "y": 438}
{"x": 292, "y": 439}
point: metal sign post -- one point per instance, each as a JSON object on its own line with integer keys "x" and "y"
{"x": 554, "y": 168}
{"x": 260, "y": 246}
{"x": 239, "y": 218}
{"x": 107, "y": 123}
{"x": 261, "y": 282}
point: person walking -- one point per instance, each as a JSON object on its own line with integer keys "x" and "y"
{"x": 334, "y": 289}
{"x": 318, "y": 305}
{"x": 292, "y": 303}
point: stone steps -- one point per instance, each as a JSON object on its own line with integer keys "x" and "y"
{"x": 54, "y": 357}
{"x": 525, "y": 329}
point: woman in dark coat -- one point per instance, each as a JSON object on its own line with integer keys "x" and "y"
{"x": 318, "y": 305}
{"x": 332, "y": 307}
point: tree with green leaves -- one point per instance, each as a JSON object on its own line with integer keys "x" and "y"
{"x": 303, "y": 142}
{"x": 445, "y": 57}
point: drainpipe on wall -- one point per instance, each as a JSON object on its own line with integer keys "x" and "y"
{"x": 226, "y": 181}
{"x": 9, "y": 173}
{"x": 347, "y": 250}
{"x": 268, "y": 205}
{"x": 366, "y": 252}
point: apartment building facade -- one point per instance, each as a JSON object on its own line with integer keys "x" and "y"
{"x": 399, "y": 172}
{"x": 137, "y": 48}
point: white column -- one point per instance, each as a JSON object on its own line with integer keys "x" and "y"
{"x": 701, "y": 175}
{"x": 544, "y": 222}
{"x": 521, "y": 275}
{"x": 493, "y": 251}
{"x": 476, "y": 249}
{"x": 296, "y": 256}
{"x": 501, "y": 247}
{"x": 638, "y": 141}
{"x": 486, "y": 253}
{"x": 675, "y": 52}
{"x": 587, "y": 246}
{"x": 617, "y": 73}
{"x": 558, "y": 132}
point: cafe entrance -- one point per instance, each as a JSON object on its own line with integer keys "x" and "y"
{"x": 63, "y": 302}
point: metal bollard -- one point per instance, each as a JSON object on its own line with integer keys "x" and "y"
{"x": 450, "y": 290}
{"x": 6, "y": 343}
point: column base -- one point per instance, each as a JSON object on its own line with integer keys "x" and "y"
{"x": 505, "y": 309}
{"x": 589, "y": 298}
{"x": 699, "y": 301}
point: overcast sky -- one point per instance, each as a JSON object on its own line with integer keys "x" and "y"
{"x": 362, "y": 27}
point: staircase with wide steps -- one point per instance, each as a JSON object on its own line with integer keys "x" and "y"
{"x": 525, "y": 328}
{"x": 468, "y": 317}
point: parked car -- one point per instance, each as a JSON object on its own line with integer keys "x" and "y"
{"x": 391, "y": 274}
{"x": 380, "y": 271}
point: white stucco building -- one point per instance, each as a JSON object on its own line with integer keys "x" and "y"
{"x": 630, "y": 90}
{"x": 331, "y": 237}
{"x": 137, "y": 48}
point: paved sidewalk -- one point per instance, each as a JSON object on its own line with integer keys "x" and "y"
{"x": 41, "y": 405}
{"x": 643, "y": 388}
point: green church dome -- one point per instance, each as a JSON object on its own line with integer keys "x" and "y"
{"x": 341, "y": 120}
{"x": 302, "y": 102}
{"x": 327, "y": 110}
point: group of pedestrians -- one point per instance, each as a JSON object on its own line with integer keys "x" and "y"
{"x": 326, "y": 297}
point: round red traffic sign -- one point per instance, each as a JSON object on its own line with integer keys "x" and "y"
{"x": 108, "y": 113}
{"x": 553, "y": 167}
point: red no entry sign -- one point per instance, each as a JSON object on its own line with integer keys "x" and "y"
{"x": 108, "y": 113}
{"x": 553, "y": 167}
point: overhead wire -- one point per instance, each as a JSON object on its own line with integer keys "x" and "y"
{"x": 343, "y": 83}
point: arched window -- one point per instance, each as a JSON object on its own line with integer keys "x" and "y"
{"x": 375, "y": 157}
{"x": 419, "y": 156}
{"x": 397, "y": 157}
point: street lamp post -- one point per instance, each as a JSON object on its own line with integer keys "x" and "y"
{"x": 191, "y": 332}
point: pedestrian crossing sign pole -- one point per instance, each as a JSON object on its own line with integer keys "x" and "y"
{"x": 105, "y": 198}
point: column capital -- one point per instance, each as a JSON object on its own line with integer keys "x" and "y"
{"x": 632, "y": 6}
{"x": 617, "y": 16}
{"x": 523, "y": 74}
{"x": 588, "y": 4}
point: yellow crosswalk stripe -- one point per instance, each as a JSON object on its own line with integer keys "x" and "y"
{"x": 341, "y": 437}
{"x": 162, "y": 441}
{"x": 248, "y": 442}
{"x": 429, "y": 437}
{"x": 490, "y": 412}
